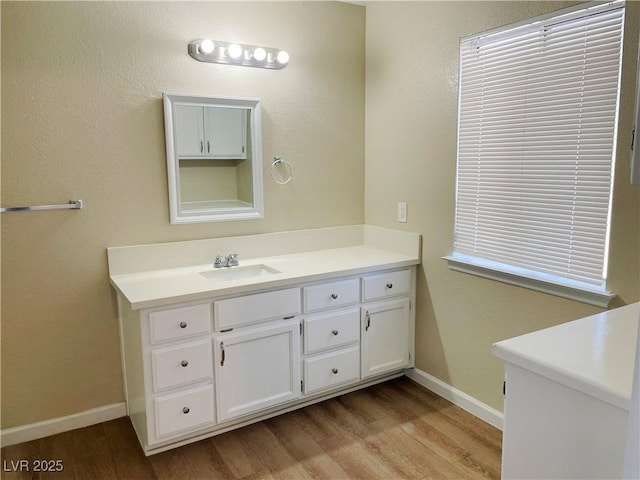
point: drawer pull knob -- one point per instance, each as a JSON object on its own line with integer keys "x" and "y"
{"x": 183, "y": 324}
{"x": 334, "y": 371}
{"x": 335, "y": 332}
{"x": 185, "y": 410}
{"x": 184, "y": 363}
{"x": 334, "y": 296}
{"x": 389, "y": 285}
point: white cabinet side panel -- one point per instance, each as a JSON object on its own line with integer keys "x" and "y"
{"x": 553, "y": 431}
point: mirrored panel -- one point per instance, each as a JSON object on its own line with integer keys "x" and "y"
{"x": 214, "y": 158}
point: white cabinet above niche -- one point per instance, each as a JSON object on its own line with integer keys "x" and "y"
{"x": 210, "y": 132}
{"x": 214, "y": 158}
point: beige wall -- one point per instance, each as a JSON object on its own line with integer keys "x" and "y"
{"x": 410, "y": 151}
{"x": 82, "y": 118}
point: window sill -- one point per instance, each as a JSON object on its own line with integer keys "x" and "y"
{"x": 573, "y": 290}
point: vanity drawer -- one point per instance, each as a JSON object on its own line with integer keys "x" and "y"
{"x": 334, "y": 294}
{"x": 331, "y": 330}
{"x": 177, "y": 323}
{"x": 183, "y": 411}
{"x": 325, "y": 371}
{"x": 386, "y": 285}
{"x": 240, "y": 311}
{"x": 173, "y": 366}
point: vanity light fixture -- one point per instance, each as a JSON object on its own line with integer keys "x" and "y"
{"x": 205, "y": 50}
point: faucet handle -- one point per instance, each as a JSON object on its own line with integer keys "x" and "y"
{"x": 232, "y": 260}
{"x": 219, "y": 262}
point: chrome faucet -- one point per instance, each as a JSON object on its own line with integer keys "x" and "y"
{"x": 229, "y": 261}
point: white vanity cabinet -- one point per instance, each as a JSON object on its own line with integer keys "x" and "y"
{"x": 210, "y": 132}
{"x": 199, "y": 368}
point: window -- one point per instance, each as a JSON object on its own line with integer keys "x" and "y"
{"x": 538, "y": 108}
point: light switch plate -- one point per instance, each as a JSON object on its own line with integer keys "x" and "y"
{"x": 402, "y": 212}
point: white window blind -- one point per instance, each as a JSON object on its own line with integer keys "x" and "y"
{"x": 537, "y": 125}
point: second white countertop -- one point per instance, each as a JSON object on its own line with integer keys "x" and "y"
{"x": 594, "y": 355}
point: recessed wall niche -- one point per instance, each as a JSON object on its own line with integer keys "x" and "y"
{"x": 214, "y": 158}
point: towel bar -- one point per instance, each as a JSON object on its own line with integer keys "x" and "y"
{"x": 72, "y": 205}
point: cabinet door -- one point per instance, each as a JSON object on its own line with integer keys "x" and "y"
{"x": 256, "y": 369}
{"x": 225, "y": 132}
{"x": 384, "y": 337}
{"x": 189, "y": 130}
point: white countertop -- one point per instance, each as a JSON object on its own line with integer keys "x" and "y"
{"x": 594, "y": 354}
{"x": 162, "y": 287}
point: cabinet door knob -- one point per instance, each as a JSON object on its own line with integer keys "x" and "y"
{"x": 185, "y": 410}
{"x": 183, "y": 324}
{"x": 366, "y": 328}
{"x": 389, "y": 285}
{"x": 201, "y": 147}
{"x": 334, "y": 295}
{"x": 184, "y": 363}
{"x": 208, "y": 147}
{"x": 334, "y": 371}
{"x": 335, "y": 332}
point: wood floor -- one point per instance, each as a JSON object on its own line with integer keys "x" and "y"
{"x": 395, "y": 430}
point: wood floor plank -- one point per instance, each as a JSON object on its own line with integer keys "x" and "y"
{"x": 373, "y": 457}
{"x": 52, "y": 450}
{"x": 316, "y": 421}
{"x": 479, "y": 432}
{"x": 476, "y": 466}
{"x": 89, "y": 455}
{"x": 423, "y": 463}
{"x": 303, "y": 448}
{"x": 464, "y": 430}
{"x": 238, "y": 457}
{"x": 130, "y": 461}
{"x": 392, "y": 431}
{"x": 356, "y": 459}
{"x": 389, "y": 441}
{"x": 412, "y": 421}
{"x": 197, "y": 461}
{"x": 13, "y": 458}
{"x": 267, "y": 448}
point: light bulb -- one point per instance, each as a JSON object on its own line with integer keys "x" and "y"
{"x": 207, "y": 46}
{"x": 234, "y": 50}
{"x": 283, "y": 57}
{"x": 259, "y": 54}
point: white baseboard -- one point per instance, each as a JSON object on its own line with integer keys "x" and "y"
{"x": 33, "y": 431}
{"x": 457, "y": 397}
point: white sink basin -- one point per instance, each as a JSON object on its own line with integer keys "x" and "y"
{"x": 227, "y": 274}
